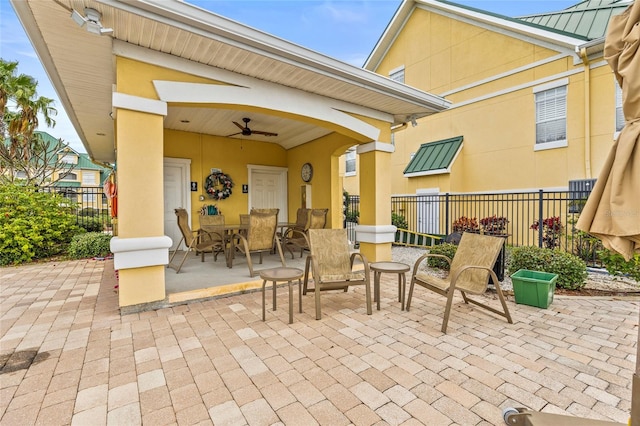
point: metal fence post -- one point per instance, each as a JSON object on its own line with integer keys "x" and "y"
{"x": 446, "y": 213}
{"x": 540, "y": 214}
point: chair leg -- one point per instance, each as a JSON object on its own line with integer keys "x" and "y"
{"x": 410, "y": 295}
{"x": 317, "y": 297}
{"x": 447, "y": 310}
{"x": 307, "y": 265}
{"x": 368, "y": 296}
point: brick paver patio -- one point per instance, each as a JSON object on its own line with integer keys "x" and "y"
{"x": 216, "y": 362}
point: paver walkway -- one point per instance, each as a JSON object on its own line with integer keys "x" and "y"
{"x": 216, "y": 362}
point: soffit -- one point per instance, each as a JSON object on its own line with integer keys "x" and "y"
{"x": 80, "y": 65}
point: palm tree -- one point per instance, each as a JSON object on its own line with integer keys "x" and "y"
{"x": 20, "y": 106}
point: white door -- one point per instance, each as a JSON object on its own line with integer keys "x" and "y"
{"x": 268, "y": 189}
{"x": 176, "y": 183}
{"x": 428, "y": 214}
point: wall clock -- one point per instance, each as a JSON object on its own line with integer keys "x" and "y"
{"x": 307, "y": 172}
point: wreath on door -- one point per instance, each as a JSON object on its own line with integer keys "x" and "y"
{"x": 218, "y": 186}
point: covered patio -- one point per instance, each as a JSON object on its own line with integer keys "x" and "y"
{"x": 162, "y": 90}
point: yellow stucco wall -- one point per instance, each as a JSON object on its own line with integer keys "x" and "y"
{"x": 495, "y": 117}
{"x": 230, "y": 155}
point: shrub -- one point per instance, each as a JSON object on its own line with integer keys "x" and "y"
{"x": 33, "y": 225}
{"x": 91, "y": 223}
{"x": 445, "y": 249}
{"x": 616, "y": 265}
{"x": 89, "y": 244}
{"x": 465, "y": 224}
{"x": 494, "y": 225}
{"x": 571, "y": 270}
{"x": 399, "y": 221}
{"x": 353, "y": 216}
{"x": 551, "y": 231}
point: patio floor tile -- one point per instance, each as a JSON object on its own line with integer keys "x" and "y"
{"x": 216, "y": 362}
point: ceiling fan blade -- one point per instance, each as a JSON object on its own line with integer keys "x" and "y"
{"x": 259, "y": 132}
{"x": 233, "y": 134}
{"x": 240, "y": 126}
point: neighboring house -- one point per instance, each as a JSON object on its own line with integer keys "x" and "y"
{"x": 162, "y": 89}
{"x": 76, "y": 176}
{"x": 534, "y": 104}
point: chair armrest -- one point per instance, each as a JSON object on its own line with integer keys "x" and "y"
{"x": 425, "y": 257}
{"x": 364, "y": 261}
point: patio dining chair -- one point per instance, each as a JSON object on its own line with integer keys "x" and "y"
{"x": 469, "y": 272}
{"x": 297, "y": 239}
{"x": 290, "y": 234}
{"x": 200, "y": 241}
{"x": 212, "y": 227}
{"x": 260, "y": 239}
{"x": 332, "y": 265}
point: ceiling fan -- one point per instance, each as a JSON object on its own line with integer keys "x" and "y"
{"x": 246, "y": 131}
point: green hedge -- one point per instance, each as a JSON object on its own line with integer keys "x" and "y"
{"x": 89, "y": 244}
{"x": 33, "y": 225}
{"x": 445, "y": 249}
{"x": 571, "y": 270}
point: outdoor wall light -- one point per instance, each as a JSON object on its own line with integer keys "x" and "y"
{"x": 91, "y": 22}
{"x": 414, "y": 123}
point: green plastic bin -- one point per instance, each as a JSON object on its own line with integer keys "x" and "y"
{"x": 534, "y": 288}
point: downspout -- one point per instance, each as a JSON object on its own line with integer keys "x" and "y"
{"x": 587, "y": 113}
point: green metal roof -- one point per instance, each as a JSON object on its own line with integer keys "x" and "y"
{"x": 434, "y": 157}
{"x": 586, "y": 19}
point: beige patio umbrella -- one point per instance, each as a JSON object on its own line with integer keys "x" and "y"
{"x": 612, "y": 212}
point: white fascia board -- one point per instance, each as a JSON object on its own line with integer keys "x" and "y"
{"x": 153, "y": 57}
{"x": 550, "y": 38}
{"x": 278, "y": 98}
{"x": 25, "y": 16}
{"x": 207, "y": 24}
{"x": 428, "y": 173}
{"x": 543, "y": 37}
{"x": 137, "y": 103}
{"x": 389, "y": 35}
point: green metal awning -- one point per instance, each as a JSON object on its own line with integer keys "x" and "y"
{"x": 434, "y": 157}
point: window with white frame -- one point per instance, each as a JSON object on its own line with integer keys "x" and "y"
{"x": 619, "y": 112}
{"x": 551, "y": 115}
{"x": 350, "y": 162}
{"x": 69, "y": 159}
{"x": 397, "y": 74}
{"x": 69, "y": 176}
{"x": 88, "y": 197}
{"x": 88, "y": 178}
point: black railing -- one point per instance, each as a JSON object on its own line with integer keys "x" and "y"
{"x": 89, "y": 204}
{"x": 536, "y": 218}
{"x": 351, "y": 215}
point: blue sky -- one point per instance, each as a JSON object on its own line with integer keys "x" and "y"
{"x": 344, "y": 29}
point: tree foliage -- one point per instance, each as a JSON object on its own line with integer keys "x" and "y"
{"x": 33, "y": 224}
{"x": 24, "y": 155}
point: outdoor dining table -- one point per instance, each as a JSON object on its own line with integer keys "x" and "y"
{"x": 226, "y": 233}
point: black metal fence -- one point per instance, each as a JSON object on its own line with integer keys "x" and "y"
{"x": 534, "y": 218}
{"x": 351, "y": 215}
{"x": 89, "y": 204}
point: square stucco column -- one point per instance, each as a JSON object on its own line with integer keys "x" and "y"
{"x": 375, "y": 232}
{"x": 141, "y": 249}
